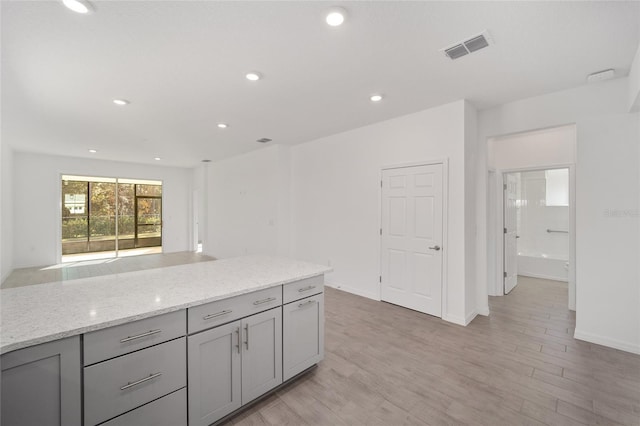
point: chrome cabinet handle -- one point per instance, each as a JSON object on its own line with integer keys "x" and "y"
{"x": 246, "y": 329}
{"x": 217, "y": 314}
{"x": 260, "y": 302}
{"x": 436, "y": 248}
{"x": 300, "y": 290}
{"x": 239, "y": 346}
{"x": 308, "y": 302}
{"x": 140, "y": 336}
{"x": 137, "y": 382}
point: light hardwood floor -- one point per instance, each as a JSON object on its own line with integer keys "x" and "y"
{"x": 386, "y": 365}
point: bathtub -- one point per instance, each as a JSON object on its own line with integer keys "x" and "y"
{"x": 540, "y": 265}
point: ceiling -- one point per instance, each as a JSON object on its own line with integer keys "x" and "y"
{"x": 182, "y": 66}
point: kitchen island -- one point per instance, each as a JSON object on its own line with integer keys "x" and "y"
{"x": 123, "y": 343}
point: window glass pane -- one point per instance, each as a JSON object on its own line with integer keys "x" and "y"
{"x": 149, "y": 190}
{"x": 126, "y": 216}
{"x": 102, "y": 219}
{"x": 557, "y": 187}
{"x": 74, "y": 213}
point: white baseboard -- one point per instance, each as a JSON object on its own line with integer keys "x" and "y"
{"x": 456, "y": 319}
{"x": 484, "y": 311}
{"x": 606, "y": 341}
{"x": 542, "y": 276}
{"x": 358, "y": 292}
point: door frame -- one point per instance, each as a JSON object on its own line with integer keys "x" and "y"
{"x": 444, "y": 161}
{"x": 498, "y": 285}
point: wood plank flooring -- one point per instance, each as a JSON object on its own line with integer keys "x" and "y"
{"x": 386, "y": 365}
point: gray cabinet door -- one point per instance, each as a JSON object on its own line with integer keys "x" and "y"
{"x": 214, "y": 374}
{"x": 303, "y": 335}
{"x": 41, "y": 385}
{"x": 261, "y": 353}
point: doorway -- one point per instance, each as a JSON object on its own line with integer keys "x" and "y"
{"x": 538, "y": 227}
{"x": 411, "y": 237}
{"x": 109, "y": 217}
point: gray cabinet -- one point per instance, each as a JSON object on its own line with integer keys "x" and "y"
{"x": 41, "y": 385}
{"x": 232, "y": 364}
{"x": 261, "y": 353}
{"x": 214, "y": 373}
{"x": 303, "y": 335}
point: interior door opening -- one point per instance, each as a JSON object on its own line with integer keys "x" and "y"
{"x": 110, "y": 217}
{"x": 536, "y": 226}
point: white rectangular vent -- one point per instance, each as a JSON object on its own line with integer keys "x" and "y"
{"x": 470, "y": 45}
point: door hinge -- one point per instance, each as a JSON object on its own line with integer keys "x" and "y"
{"x": 504, "y": 186}
{"x": 380, "y": 184}
{"x": 505, "y": 274}
{"x": 380, "y": 278}
{"x": 505, "y": 230}
{"x": 380, "y": 231}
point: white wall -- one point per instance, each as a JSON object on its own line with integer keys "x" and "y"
{"x": 6, "y": 212}
{"x": 470, "y": 166}
{"x": 607, "y": 201}
{"x": 633, "y": 103}
{"x": 36, "y": 206}
{"x": 336, "y": 197}
{"x": 248, "y": 204}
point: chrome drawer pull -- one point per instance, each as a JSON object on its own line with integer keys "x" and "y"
{"x": 219, "y": 314}
{"x": 246, "y": 328}
{"x": 260, "y": 302}
{"x": 300, "y": 290}
{"x": 308, "y": 302}
{"x": 139, "y": 336}
{"x": 137, "y": 382}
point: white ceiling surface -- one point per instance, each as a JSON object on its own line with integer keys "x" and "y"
{"x": 182, "y": 66}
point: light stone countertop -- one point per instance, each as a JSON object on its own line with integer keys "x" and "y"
{"x": 45, "y": 312}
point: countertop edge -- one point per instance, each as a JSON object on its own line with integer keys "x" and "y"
{"x": 11, "y": 347}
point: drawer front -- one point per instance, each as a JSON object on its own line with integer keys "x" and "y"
{"x": 303, "y": 288}
{"x": 170, "y": 410}
{"x": 127, "y": 382}
{"x": 115, "y": 341}
{"x": 227, "y": 310}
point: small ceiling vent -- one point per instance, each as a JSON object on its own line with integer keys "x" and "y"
{"x": 470, "y": 45}
{"x": 263, "y": 140}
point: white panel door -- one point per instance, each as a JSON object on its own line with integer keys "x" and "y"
{"x": 411, "y": 238}
{"x": 510, "y": 233}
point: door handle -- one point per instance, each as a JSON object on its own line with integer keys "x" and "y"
{"x": 436, "y": 248}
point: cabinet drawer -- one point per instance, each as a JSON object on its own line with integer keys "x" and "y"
{"x": 170, "y": 410}
{"x": 115, "y": 341}
{"x": 226, "y": 310}
{"x": 124, "y": 383}
{"x": 303, "y": 288}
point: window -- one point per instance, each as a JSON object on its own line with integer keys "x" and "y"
{"x": 109, "y": 215}
{"x": 557, "y": 187}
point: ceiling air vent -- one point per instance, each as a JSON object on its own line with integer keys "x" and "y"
{"x": 263, "y": 140}
{"x": 465, "y": 47}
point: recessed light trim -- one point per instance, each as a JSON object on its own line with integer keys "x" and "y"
{"x": 157, "y": 158}
{"x": 376, "y": 97}
{"x": 78, "y": 6}
{"x": 93, "y": 151}
{"x": 121, "y": 102}
{"x": 222, "y": 125}
{"x": 253, "y": 76}
{"x": 335, "y": 17}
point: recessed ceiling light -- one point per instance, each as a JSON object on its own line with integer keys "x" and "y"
{"x": 78, "y": 6}
{"x": 93, "y": 151}
{"x": 336, "y": 16}
{"x": 376, "y": 98}
{"x": 157, "y": 158}
{"x": 121, "y": 102}
{"x": 253, "y": 76}
{"x": 222, "y": 125}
